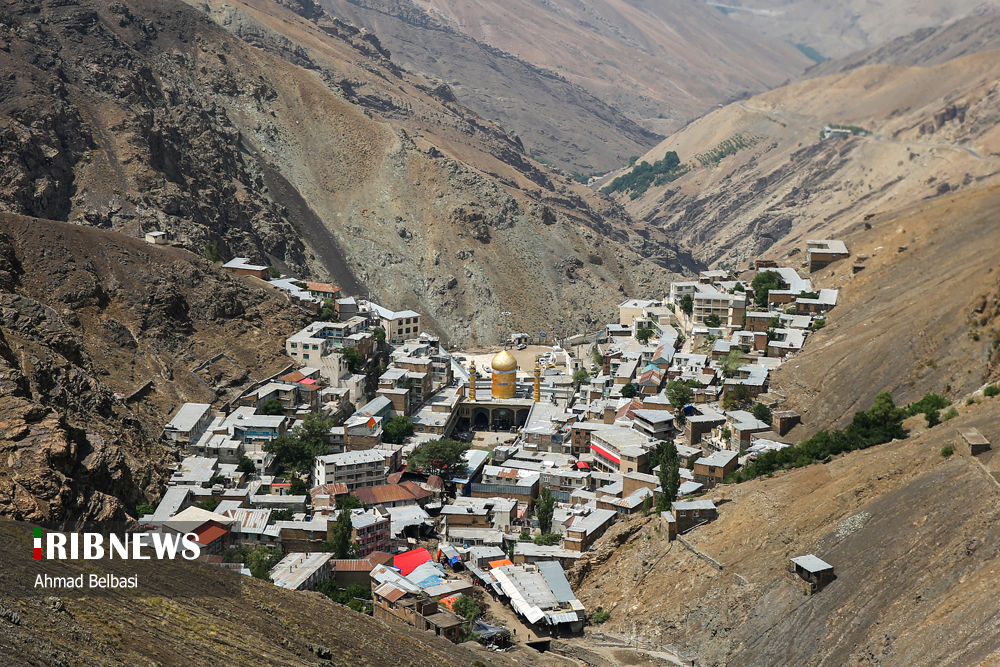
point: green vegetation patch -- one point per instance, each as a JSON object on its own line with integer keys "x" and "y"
{"x": 637, "y": 181}
{"x": 730, "y": 146}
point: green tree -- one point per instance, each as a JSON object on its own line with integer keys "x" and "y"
{"x": 933, "y": 418}
{"x": 379, "y": 334}
{"x": 208, "y": 504}
{"x": 211, "y": 252}
{"x": 142, "y": 510}
{"x": 466, "y": 607}
{"x": 732, "y": 362}
{"x": 259, "y": 561}
{"x": 643, "y": 334}
{"x": 273, "y": 273}
{"x": 597, "y": 356}
{"x": 283, "y": 515}
{"x": 354, "y": 359}
{"x": 328, "y": 311}
{"x": 340, "y": 544}
{"x": 679, "y": 394}
{"x": 439, "y": 456}
{"x": 547, "y": 539}
{"x": 665, "y": 456}
{"x": 545, "y": 506}
{"x": 761, "y": 412}
{"x": 687, "y": 304}
{"x": 349, "y": 503}
{"x": 297, "y": 449}
{"x": 738, "y": 398}
{"x": 272, "y": 407}
{"x": 629, "y": 390}
{"x": 579, "y": 377}
{"x": 762, "y": 284}
{"x": 298, "y": 488}
{"x": 712, "y": 320}
{"x": 246, "y": 465}
{"x": 397, "y": 430}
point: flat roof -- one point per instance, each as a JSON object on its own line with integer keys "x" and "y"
{"x": 294, "y": 569}
{"x": 188, "y": 416}
{"x": 811, "y": 563}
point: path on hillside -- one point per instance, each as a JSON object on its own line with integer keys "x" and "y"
{"x": 805, "y": 122}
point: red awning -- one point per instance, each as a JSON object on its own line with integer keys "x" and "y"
{"x": 582, "y": 465}
{"x": 605, "y": 453}
{"x": 411, "y": 560}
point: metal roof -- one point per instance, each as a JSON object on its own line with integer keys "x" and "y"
{"x": 812, "y": 564}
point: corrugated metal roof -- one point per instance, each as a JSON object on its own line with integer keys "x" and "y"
{"x": 811, "y": 563}
{"x": 555, "y": 577}
{"x": 565, "y": 617}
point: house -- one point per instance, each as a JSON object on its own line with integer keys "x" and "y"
{"x": 621, "y": 450}
{"x": 691, "y": 513}
{"x": 371, "y": 531}
{"x": 355, "y": 469}
{"x": 323, "y": 290}
{"x": 301, "y": 571}
{"x": 241, "y": 266}
{"x": 157, "y": 238}
{"x": 397, "y": 604}
{"x": 327, "y": 495}
{"x": 820, "y": 254}
{"x": 785, "y": 420}
{"x": 356, "y": 571}
{"x": 541, "y": 594}
{"x": 657, "y": 424}
{"x": 818, "y": 573}
{"x": 212, "y": 530}
{"x": 669, "y": 524}
{"x": 398, "y": 325}
{"x": 975, "y": 440}
{"x": 394, "y": 495}
{"x": 189, "y": 422}
{"x": 250, "y": 525}
{"x": 711, "y": 470}
{"x": 583, "y": 531}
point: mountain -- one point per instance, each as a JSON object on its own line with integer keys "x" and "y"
{"x": 762, "y": 179}
{"x": 908, "y": 530}
{"x": 835, "y": 30}
{"x": 658, "y": 63}
{"x": 92, "y": 321}
{"x": 923, "y": 48}
{"x": 292, "y": 138}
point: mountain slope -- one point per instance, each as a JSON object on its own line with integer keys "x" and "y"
{"x": 838, "y": 29}
{"x": 293, "y": 139}
{"x": 663, "y": 63}
{"x": 929, "y": 131}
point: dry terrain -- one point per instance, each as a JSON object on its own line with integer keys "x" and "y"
{"x": 836, "y": 29}
{"x": 928, "y": 131}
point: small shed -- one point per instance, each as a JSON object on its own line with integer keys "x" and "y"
{"x": 976, "y": 441}
{"x": 157, "y": 238}
{"x": 817, "y": 572}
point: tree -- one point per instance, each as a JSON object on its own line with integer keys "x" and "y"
{"x": 272, "y": 407}
{"x": 296, "y": 450}
{"x": 737, "y": 398}
{"x": 298, "y": 488}
{"x": 397, "y": 430}
{"x": 211, "y": 252}
{"x": 283, "y": 515}
{"x": 209, "y": 504}
{"x": 679, "y": 394}
{"x": 547, "y": 539}
{"x": 687, "y": 304}
{"x": 629, "y": 390}
{"x": 732, "y": 362}
{"x": 273, "y": 273}
{"x": 579, "y": 377}
{"x": 712, "y": 320}
{"x": 761, "y": 412}
{"x": 665, "y": 456}
{"x": 439, "y": 456}
{"x": 349, "y": 503}
{"x": 466, "y": 607}
{"x": 545, "y": 506}
{"x": 379, "y": 334}
{"x": 762, "y": 284}
{"x": 354, "y": 360}
{"x": 340, "y": 544}
{"x": 328, "y": 312}
{"x": 647, "y": 505}
{"x": 246, "y": 465}
{"x": 597, "y": 356}
{"x": 142, "y": 510}
{"x": 259, "y": 561}
{"x": 642, "y": 334}
{"x": 933, "y": 418}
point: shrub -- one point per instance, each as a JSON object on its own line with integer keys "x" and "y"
{"x": 929, "y": 402}
{"x": 595, "y": 259}
{"x": 933, "y": 418}
{"x": 947, "y": 451}
{"x": 970, "y": 400}
{"x": 142, "y": 510}
{"x": 600, "y": 616}
{"x": 547, "y": 539}
{"x": 991, "y": 391}
{"x": 950, "y": 414}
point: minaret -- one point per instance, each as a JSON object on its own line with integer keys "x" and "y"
{"x": 537, "y": 396}
{"x": 472, "y": 381}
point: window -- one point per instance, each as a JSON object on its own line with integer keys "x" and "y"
{"x": 305, "y": 356}
{"x": 294, "y": 345}
{"x": 315, "y": 347}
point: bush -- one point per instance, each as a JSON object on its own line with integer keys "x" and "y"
{"x": 991, "y": 391}
{"x": 947, "y": 451}
{"x": 926, "y": 404}
{"x": 970, "y": 400}
{"x": 950, "y": 414}
{"x": 933, "y": 418}
{"x": 142, "y": 510}
{"x": 547, "y": 539}
{"x": 595, "y": 259}
{"x": 600, "y": 616}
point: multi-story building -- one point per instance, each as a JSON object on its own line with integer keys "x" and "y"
{"x": 398, "y": 325}
{"x": 621, "y": 450}
{"x": 189, "y": 423}
{"x": 355, "y": 469}
{"x": 822, "y": 253}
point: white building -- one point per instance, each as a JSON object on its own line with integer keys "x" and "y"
{"x": 357, "y": 470}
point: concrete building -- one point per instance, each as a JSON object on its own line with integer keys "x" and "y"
{"x": 820, "y": 254}
{"x": 354, "y": 469}
{"x": 301, "y": 571}
{"x": 241, "y": 266}
{"x": 188, "y": 423}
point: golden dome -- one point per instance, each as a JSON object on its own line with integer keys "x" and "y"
{"x": 504, "y": 361}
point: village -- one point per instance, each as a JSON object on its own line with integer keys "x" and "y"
{"x": 452, "y": 490}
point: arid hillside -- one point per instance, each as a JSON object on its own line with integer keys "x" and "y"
{"x": 291, "y": 138}
{"x": 662, "y": 63}
{"x": 102, "y": 337}
{"x": 926, "y": 318}
{"x": 763, "y": 179}
{"x": 836, "y": 29}
{"x": 909, "y": 533}
{"x": 258, "y": 624}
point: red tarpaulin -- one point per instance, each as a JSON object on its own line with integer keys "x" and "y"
{"x": 582, "y": 465}
{"x": 411, "y": 560}
{"x": 605, "y": 453}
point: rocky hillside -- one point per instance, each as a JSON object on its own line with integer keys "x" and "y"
{"x": 834, "y": 30}
{"x": 258, "y": 624}
{"x": 910, "y": 536}
{"x": 292, "y": 138}
{"x": 763, "y": 179}
{"x": 102, "y": 337}
{"x": 661, "y": 63}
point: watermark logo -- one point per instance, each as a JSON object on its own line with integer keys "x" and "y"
{"x": 131, "y": 546}
{"x": 38, "y": 543}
